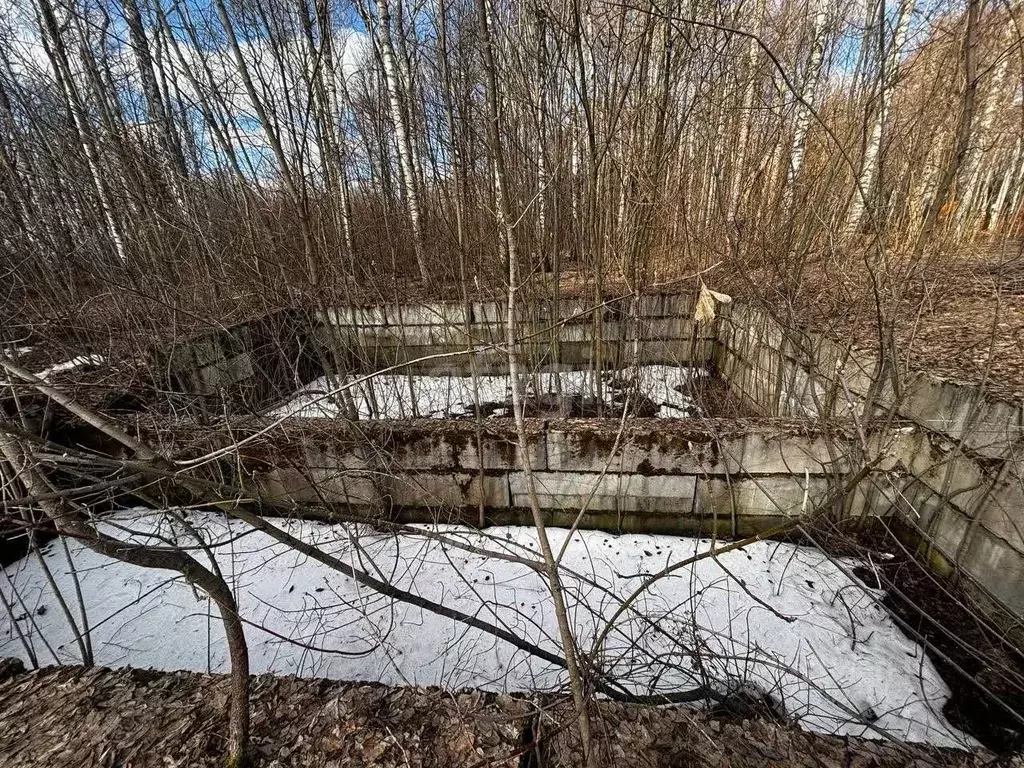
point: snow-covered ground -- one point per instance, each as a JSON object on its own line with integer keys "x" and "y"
{"x": 70, "y": 365}
{"x": 773, "y": 614}
{"x": 399, "y": 396}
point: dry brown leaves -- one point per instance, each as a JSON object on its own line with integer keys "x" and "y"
{"x": 72, "y": 716}
{"x": 78, "y": 717}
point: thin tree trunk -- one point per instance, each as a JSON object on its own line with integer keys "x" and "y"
{"x": 866, "y": 181}
{"x": 963, "y": 133}
{"x": 746, "y": 115}
{"x": 802, "y": 119}
{"x": 971, "y": 187}
{"x": 399, "y": 117}
{"x": 507, "y": 223}
{"x": 69, "y": 520}
{"x": 274, "y": 138}
{"x": 1010, "y": 174}
{"x": 56, "y": 51}
{"x": 170, "y": 153}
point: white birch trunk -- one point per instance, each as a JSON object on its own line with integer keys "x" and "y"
{"x": 971, "y": 175}
{"x": 57, "y": 53}
{"x": 541, "y": 116}
{"x": 802, "y": 118}
{"x": 338, "y": 141}
{"x": 1009, "y": 175}
{"x": 866, "y": 181}
{"x": 399, "y": 117}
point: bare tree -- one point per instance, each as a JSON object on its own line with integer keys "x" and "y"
{"x": 74, "y": 522}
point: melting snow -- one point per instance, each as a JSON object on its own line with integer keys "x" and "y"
{"x": 780, "y": 618}
{"x": 400, "y": 396}
{"x": 69, "y": 365}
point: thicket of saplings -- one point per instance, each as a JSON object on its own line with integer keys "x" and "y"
{"x": 170, "y": 167}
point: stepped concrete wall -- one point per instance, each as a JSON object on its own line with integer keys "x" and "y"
{"x": 699, "y": 476}
{"x": 953, "y": 474}
{"x": 653, "y": 329}
{"x": 964, "y": 496}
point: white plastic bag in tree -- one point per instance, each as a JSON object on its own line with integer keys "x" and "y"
{"x": 707, "y": 304}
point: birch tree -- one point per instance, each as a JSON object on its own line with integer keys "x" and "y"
{"x": 962, "y": 138}
{"x": 866, "y": 182}
{"x": 970, "y": 177}
{"x": 383, "y": 35}
{"x": 59, "y": 57}
{"x": 808, "y": 94}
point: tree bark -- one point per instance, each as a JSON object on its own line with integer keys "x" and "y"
{"x": 963, "y": 134}
{"x": 802, "y": 119}
{"x": 171, "y": 156}
{"x": 971, "y": 186}
{"x": 56, "y": 51}
{"x": 405, "y": 151}
{"x": 866, "y": 181}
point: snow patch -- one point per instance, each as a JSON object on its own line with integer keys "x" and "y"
{"x": 773, "y": 615}
{"x": 402, "y": 396}
{"x": 69, "y": 365}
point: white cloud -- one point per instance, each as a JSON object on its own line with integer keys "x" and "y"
{"x": 279, "y": 78}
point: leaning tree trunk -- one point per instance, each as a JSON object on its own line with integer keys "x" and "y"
{"x": 70, "y": 521}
